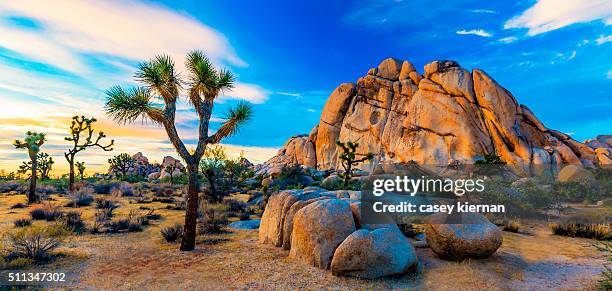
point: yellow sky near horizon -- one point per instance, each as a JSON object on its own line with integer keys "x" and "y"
{"x": 131, "y": 138}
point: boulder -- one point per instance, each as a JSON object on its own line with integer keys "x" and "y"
{"x": 271, "y": 226}
{"x": 573, "y": 173}
{"x": 374, "y": 254}
{"x": 476, "y": 237}
{"x": 390, "y": 69}
{"x": 288, "y": 222}
{"x": 318, "y": 229}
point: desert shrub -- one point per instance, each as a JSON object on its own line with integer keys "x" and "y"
{"x": 81, "y": 197}
{"x": 38, "y": 214}
{"x": 35, "y": 242}
{"x": 163, "y": 190}
{"x": 47, "y": 212}
{"x": 134, "y": 222}
{"x": 72, "y": 221}
{"x": 105, "y": 187}
{"x": 213, "y": 218}
{"x": 512, "y": 226}
{"x": 163, "y": 200}
{"x": 8, "y": 186}
{"x": 153, "y": 216}
{"x": 172, "y": 233}
{"x": 574, "y": 229}
{"x": 234, "y": 207}
{"x": 118, "y": 225}
{"x": 17, "y": 263}
{"x": 22, "y": 222}
{"x": 105, "y": 203}
{"x": 123, "y": 190}
{"x": 46, "y": 189}
{"x": 18, "y": 205}
{"x": 594, "y": 225}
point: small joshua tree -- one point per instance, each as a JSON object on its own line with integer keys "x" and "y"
{"x": 82, "y": 126}
{"x": 44, "y": 166}
{"x": 32, "y": 142}
{"x": 349, "y": 158}
{"x": 212, "y": 168}
{"x": 121, "y": 163}
{"x": 170, "y": 168}
{"x": 204, "y": 84}
{"x": 81, "y": 169}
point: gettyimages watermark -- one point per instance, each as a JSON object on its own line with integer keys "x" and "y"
{"x": 408, "y": 197}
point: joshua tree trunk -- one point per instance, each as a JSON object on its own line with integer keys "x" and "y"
{"x": 32, "y": 194}
{"x": 71, "y": 175}
{"x": 191, "y": 217}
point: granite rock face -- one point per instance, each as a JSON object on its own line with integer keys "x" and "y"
{"x": 446, "y": 115}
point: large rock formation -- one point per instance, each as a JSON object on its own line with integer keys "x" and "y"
{"x": 444, "y": 116}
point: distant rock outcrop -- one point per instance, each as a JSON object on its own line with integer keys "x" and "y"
{"x": 447, "y": 115}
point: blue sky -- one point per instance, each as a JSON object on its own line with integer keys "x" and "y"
{"x": 57, "y": 59}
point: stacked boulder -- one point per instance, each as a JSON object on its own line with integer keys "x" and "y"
{"x": 322, "y": 228}
{"x": 162, "y": 173}
{"x": 602, "y": 145}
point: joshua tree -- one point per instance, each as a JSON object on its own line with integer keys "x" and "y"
{"x": 348, "y": 157}
{"x": 32, "y": 142}
{"x": 81, "y": 169}
{"x": 212, "y": 167}
{"x": 44, "y": 165}
{"x": 81, "y": 125}
{"x": 160, "y": 81}
{"x": 121, "y": 163}
{"x": 170, "y": 168}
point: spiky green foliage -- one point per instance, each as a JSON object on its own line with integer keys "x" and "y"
{"x": 32, "y": 142}
{"x": 81, "y": 169}
{"x": 160, "y": 83}
{"x": 350, "y": 158}
{"x": 121, "y": 164}
{"x": 82, "y": 138}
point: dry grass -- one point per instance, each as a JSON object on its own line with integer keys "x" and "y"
{"x": 237, "y": 261}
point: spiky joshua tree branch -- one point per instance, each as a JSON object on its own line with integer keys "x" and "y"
{"x": 160, "y": 82}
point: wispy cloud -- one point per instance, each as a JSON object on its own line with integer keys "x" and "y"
{"x": 603, "y": 39}
{"x": 548, "y": 15}
{"x": 487, "y": 11}
{"x": 609, "y": 75}
{"x": 114, "y": 32}
{"x": 289, "y": 94}
{"x": 478, "y": 32}
{"x": 509, "y": 39}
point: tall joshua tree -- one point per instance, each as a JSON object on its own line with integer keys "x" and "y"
{"x": 32, "y": 142}
{"x": 160, "y": 81}
{"x": 81, "y": 127}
